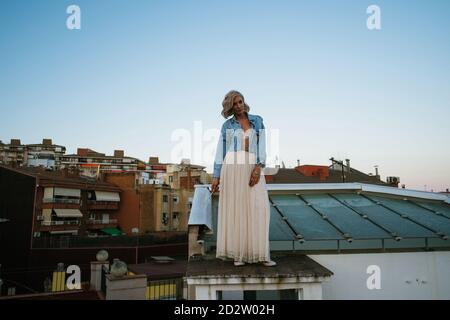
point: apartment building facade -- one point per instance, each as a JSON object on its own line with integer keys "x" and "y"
{"x": 13, "y": 153}
{"x": 91, "y": 163}
{"x": 150, "y": 207}
{"x": 45, "y": 154}
{"x": 62, "y": 203}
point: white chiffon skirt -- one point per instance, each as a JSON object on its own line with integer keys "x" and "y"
{"x": 244, "y": 211}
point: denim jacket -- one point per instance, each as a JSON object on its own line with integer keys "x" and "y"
{"x": 231, "y": 138}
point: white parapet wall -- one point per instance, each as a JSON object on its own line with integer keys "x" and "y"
{"x": 406, "y": 275}
{"x": 307, "y": 288}
{"x": 130, "y": 287}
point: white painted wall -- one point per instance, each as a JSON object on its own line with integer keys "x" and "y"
{"x": 408, "y": 275}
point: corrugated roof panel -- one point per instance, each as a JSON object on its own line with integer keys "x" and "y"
{"x": 386, "y": 218}
{"x": 422, "y": 216}
{"x": 345, "y": 219}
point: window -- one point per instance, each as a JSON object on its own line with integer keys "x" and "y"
{"x": 91, "y": 195}
{"x": 165, "y": 198}
{"x": 165, "y": 218}
{"x": 175, "y": 220}
{"x": 170, "y": 179}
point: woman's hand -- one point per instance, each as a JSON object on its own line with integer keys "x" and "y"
{"x": 256, "y": 174}
{"x": 215, "y": 185}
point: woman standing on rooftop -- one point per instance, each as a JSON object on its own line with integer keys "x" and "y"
{"x": 244, "y": 211}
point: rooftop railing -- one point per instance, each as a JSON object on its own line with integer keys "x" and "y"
{"x": 57, "y": 200}
{"x": 110, "y": 221}
{"x": 60, "y": 223}
{"x": 66, "y": 241}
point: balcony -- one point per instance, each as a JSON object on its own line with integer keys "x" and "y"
{"x": 57, "y": 200}
{"x": 58, "y": 225}
{"x": 100, "y": 224}
{"x": 59, "y": 204}
{"x": 102, "y": 205}
{"x": 90, "y": 221}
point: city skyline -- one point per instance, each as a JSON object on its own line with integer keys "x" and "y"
{"x": 136, "y": 72}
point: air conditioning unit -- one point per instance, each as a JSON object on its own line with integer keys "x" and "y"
{"x": 40, "y": 218}
{"x": 393, "y": 179}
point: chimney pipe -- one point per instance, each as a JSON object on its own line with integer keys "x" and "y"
{"x": 376, "y": 171}
{"x": 347, "y": 161}
{"x": 119, "y": 153}
{"x": 298, "y": 162}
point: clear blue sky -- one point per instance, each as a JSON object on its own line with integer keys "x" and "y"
{"x": 138, "y": 70}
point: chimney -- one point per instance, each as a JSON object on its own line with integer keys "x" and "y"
{"x": 298, "y": 162}
{"x": 82, "y": 152}
{"x": 153, "y": 160}
{"x": 313, "y": 171}
{"x": 118, "y": 153}
{"x": 15, "y": 142}
{"x": 376, "y": 172}
{"x": 47, "y": 142}
{"x": 347, "y": 161}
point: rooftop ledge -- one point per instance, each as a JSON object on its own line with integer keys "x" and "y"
{"x": 289, "y": 265}
{"x": 361, "y": 187}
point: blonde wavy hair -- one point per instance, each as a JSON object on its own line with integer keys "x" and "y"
{"x": 227, "y": 103}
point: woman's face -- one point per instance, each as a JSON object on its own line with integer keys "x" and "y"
{"x": 238, "y": 106}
